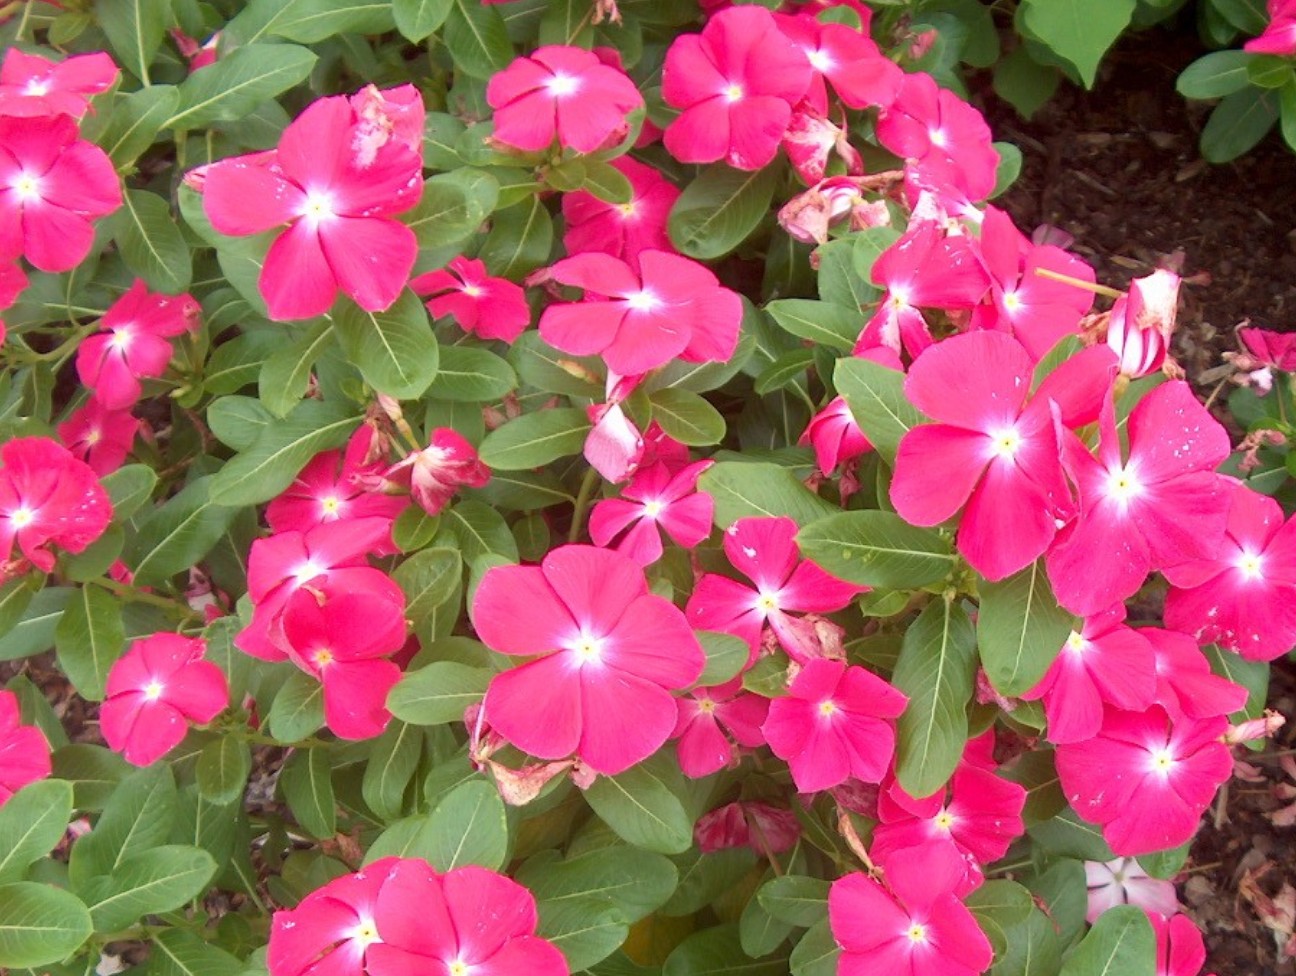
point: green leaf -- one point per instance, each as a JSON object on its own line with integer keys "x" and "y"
{"x": 176, "y": 536}
{"x": 1251, "y": 675}
{"x": 644, "y": 808}
{"x": 1009, "y": 168}
{"x": 1020, "y": 629}
{"x": 607, "y": 183}
{"x": 1006, "y": 902}
{"x": 40, "y": 924}
{"x": 222, "y": 769}
{"x": 32, "y": 821}
{"x": 1024, "y": 83}
{"x": 138, "y": 817}
{"x": 237, "y": 420}
{"x": 135, "y": 29}
{"x": 743, "y": 489}
{"x": 308, "y": 789}
{"x": 93, "y": 771}
{"x": 285, "y": 376}
{"x": 480, "y": 531}
{"x": 718, "y": 950}
{"x": 150, "y": 242}
{"x": 472, "y": 375}
{"x": 1078, "y": 31}
{"x": 34, "y": 631}
{"x": 1247, "y": 16}
{"x": 1215, "y": 75}
{"x": 237, "y": 84}
{"x": 520, "y": 237}
{"x": 760, "y": 932}
{"x": 428, "y": 578}
{"x": 785, "y": 371}
{"x": 470, "y": 827}
{"x": 817, "y": 952}
{"x": 637, "y": 882}
{"x": 878, "y": 403}
{"x": 1033, "y": 948}
{"x": 437, "y": 694}
{"x": 585, "y": 930}
{"x": 796, "y": 899}
{"x": 416, "y": 19}
{"x": 89, "y": 640}
{"x": 1238, "y": 123}
{"x": 390, "y": 767}
{"x": 129, "y": 487}
{"x": 878, "y": 549}
{"x": 822, "y": 323}
{"x": 1069, "y": 836}
{"x": 1120, "y": 942}
{"x": 15, "y": 596}
{"x": 719, "y": 209}
{"x": 936, "y": 669}
{"x": 178, "y": 952}
{"x": 687, "y": 417}
{"x": 126, "y": 130}
{"x": 151, "y": 881}
{"x": 281, "y": 451}
{"x": 476, "y": 38}
{"x": 534, "y": 439}
{"x": 395, "y": 350}
{"x": 726, "y": 657}
{"x": 298, "y": 708}
{"x": 547, "y": 369}
{"x": 453, "y": 207}
{"x": 1287, "y": 116}
{"x": 306, "y": 21}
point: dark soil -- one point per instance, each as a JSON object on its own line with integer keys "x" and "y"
{"x": 1118, "y": 168}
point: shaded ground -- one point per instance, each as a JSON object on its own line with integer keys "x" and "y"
{"x": 1118, "y": 168}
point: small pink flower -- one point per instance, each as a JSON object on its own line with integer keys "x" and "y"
{"x": 1124, "y": 882}
{"x": 1274, "y": 349}
{"x": 565, "y": 92}
{"x": 47, "y": 497}
{"x": 154, "y": 690}
{"x": 622, "y": 229}
{"x": 493, "y": 308}
{"x": 1181, "y": 951}
{"x": 435, "y": 473}
{"x": 706, "y": 715}
{"x": 133, "y": 344}
{"x": 32, "y": 86}
{"x": 834, "y": 724}
{"x": 655, "y": 499}
{"x": 53, "y": 185}
{"x": 24, "y": 751}
{"x": 845, "y": 58}
{"x": 332, "y": 929}
{"x": 607, "y": 656}
{"x": 1279, "y": 36}
{"x": 915, "y": 925}
{"x": 99, "y": 436}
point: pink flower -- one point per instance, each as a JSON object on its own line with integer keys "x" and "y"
{"x": 24, "y": 751}
{"x": 343, "y": 637}
{"x": 332, "y": 929}
{"x": 1039, "y": 311}
{"x": 386, "y": 115}
{"x": 33, "y": 86}
{"x": 638, "y": 320}
{"x": 52, "y": 186}
{"x": 915, "y": 925}
{"x": 948, "y": 138}
{"x": 12, "y": 282}
{"x": 844, "y": 57}
{"x": 339, "y": 210}
{"x": 706, "y": 715}
{"x": 736, "y": 83}
{"x": 766, "y": 829}
{"x": 622, "y": 230}
{"x": 132, "y": 344}
{"x": 336, "y": 485}
{"x": 993, "y": 451}
{"x": 1273, "y": 349}
{"x": 1181, "y": 950}
{"x": 47, "y": 497}
{"x": 493, "y": 308}
{"x": 154, "y": 690}
{"x": 1141, "y": 323}
{"x": 808, "y": 216}
{"x": 834, "y": 724}
{"x": 1144, "y": 779}
{"x": 1161, "y": 507}
{"x": 609, "y": 652}
{"x": 1185, "y": 684}
{"x": 468, "y": 920}
{"x": 765, "y": 551}
{"x": 1107, "y": 663}
{"x": 835, "y": 436}
{"x": 1124, "y": 882}
{"x": 435, "y": 473}
{"x": 1279, "y": 36}
{"x": 655, "y": 499}
{"x": 99, "y": 436}
{"x": 1243, "y": 597}
{"x": 565, "y": 92}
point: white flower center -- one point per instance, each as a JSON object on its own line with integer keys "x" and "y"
{"x": 938, "y": 138}
{"x": 1123, "y": 485}
{"x": 1162, "y": 760}
{"x": 322, "y": 658}
{"x": 1011, "y": 301}
{"x": 706, "y": 705}
{"x": 26, "y": 187}
{"x": 37, "y": 87}
{"x": 459, "y": 968}
{"x": 628, "y": 210}
{"x": 588, "y": 649}
{"x": 944, "y": 820}
{"x": 473, "y": 291}
{"x": 767, "y": 602}
{"x": 1250, "y": 565}
{"x": 734, "y": 93}
{"x": 827, "y": 708}
{"x": 318, "y": 207}
{"x": 1076, "y": 644}
{"x": 22, "y": 517}
{"x": 643, "y": 301}
{"x": 1005, "y": 443}
{"x": 820, "y": 61}
{"x": 561, "y": 85}
{"x": 653, "y": 508}
{"x": 917, "y": 933}
{"x": 121, "y": 339}
{"x": 306, "y": 571}
{"x": 331, "y": 506}
{"x": 153, "y": 690}
{"x": 366, "y": 933}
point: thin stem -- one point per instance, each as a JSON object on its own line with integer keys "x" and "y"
{"x": 139, "y": 596}
{"x": 583, "y": 497}
{"x": 1066, "y": 279}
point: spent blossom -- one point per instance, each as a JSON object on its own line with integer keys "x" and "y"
{"x": 435, "y": 473}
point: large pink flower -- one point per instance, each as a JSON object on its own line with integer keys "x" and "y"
{"x": 736, "y": 82}
{"x": 565, "y": 92}
{"x": 914, "y": 926}
{"x": 53, "y": 184}
{"x": 33, "y": 86}
{"x": 845, "y": 58}
{"x": 338, "y": 206}
{"x": 47, "y": 497}
{"x": 154, "y": 690}
{"x": 609, "y": 655}
{"x": 24, "y": 751}
{"x": 638, "y": 320}
{"x": 331, "y": 930}
{"x": 834, "y": 724}
{"x": 1244, "y": 596}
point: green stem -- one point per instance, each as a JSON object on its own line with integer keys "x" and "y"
{"x": 583, "y": 498}
{"x": 120, "y": 590}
